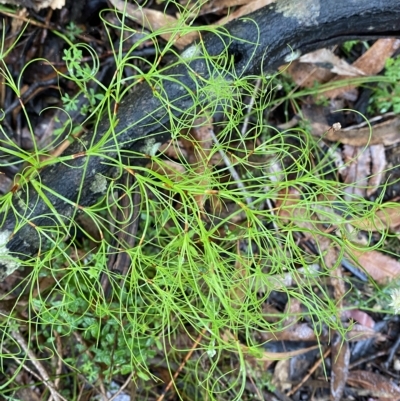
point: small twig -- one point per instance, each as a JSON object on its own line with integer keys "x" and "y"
{"x": 59, "y": 361}
{"x": 103, "y": 390}
{"x": 51, "y": 27}
{"x": 122, "y": 388}
{"x": 256, "y": 389}
{"x": 18, "y": 361}
{"x": 250, "y": 108}
{"x": 39, "y": 367}
{"x": 33, "y": 90}
{"x": 308, "y": 375}
{"x": 182, "y": 365}
{"x": 231, "y": 169}
{"x": 369, "y": 358}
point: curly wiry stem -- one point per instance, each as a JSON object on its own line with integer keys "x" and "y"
{"x": 255, "y": 44}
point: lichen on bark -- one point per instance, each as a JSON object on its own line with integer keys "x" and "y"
{"x": 9, "y": 264}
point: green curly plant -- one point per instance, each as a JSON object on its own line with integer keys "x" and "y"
{"x": 209, "y": 252}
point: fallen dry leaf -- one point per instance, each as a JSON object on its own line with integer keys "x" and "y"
{"x": 325, "y": 58}
{"x": 380, "y": 267}
{"x": 340, "y": 357}
{"x": 340, "y": 351}
{"x": 363, "y": 170}
{"x": 371, "y": 63}
{"x": 378, "y": 157}
{"x": 154, "y": 20}
{"x": 172, "y": 170}
{"x": 361, "y": 333}
{"x": 306, "y": 75}
{"x": 387, "y": 217}
{"x": 286, "y": 203}
{"x": 359, "y": 316}
{"x": 274, "y": 356}
{"x": 281, "y": 379}
{"x": 293, "y": 310}
{"x": 265, "y": 355}
{"x": 271, "y": 357}
{"x": 374, "y": 59}
{"x": 358, "y": 162}
{"x": 386, "y": 133}
{"x": 296, "y": 332}
{"x": 215, "y": 6}
{"x": 378, "y": 385}
{"x": 174, "y": 149}
{"x": 247, "y": 9}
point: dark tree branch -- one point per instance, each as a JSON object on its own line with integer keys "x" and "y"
{"x": 258, "y": 43}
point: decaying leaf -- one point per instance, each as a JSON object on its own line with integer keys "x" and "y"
{"x": 358, "y": 163}
{"x": 378, "y": 385}
{"x": 325, "y": 58}
{"x": 247, "y": 9}
{"x": 215, "y": 6}
{"x": 286, "y": 203}
{"x": 306, "y": 75}
{"x": 363, "y": 169}
{"x": 281, "y": 378}
{"x": 265, "y": 355}
{"x": 340, "y": 356}
{"x": 371, "y": 63}
{"x": 172, "y": 170}
{"x": 154, "y": 20}
{"x": 360, "y": 333}
{"x": 380, "y": 267}
{"x": 378, "y": 157}
{"x": 385, "y": 133}
{"x": 387, "y": 217}
{"x": 359, "y": 316}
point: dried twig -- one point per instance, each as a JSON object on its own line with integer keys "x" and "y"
{"x": 39, "y": 367}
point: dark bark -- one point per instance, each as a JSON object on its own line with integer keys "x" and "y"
{"x": 258, "y": 43}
